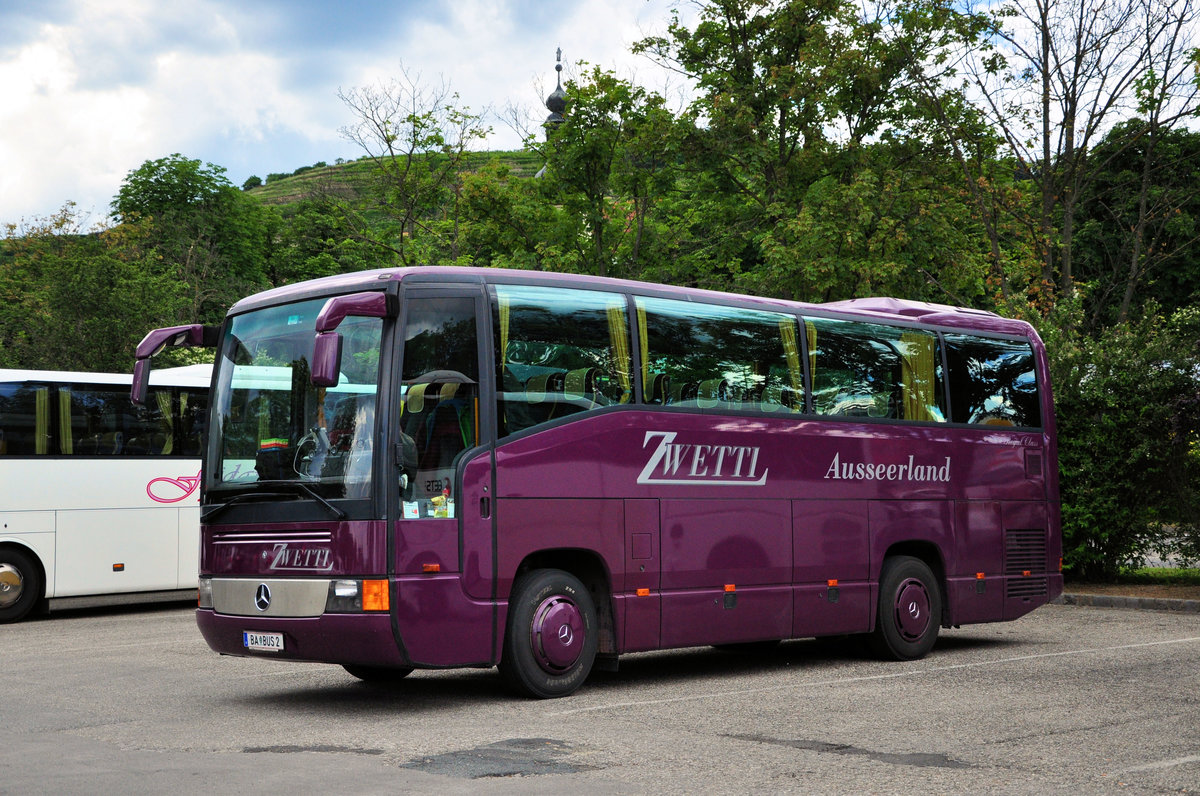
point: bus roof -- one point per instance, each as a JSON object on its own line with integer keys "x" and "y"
{"x": 880, "y": 309}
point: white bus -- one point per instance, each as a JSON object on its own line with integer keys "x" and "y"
{"x": 98, "y": 497}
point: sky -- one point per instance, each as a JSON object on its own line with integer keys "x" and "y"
{"x": 92, "y": 89}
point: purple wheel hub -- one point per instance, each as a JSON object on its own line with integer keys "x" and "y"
{"x": 912, "y": 609}
{"x": 556, "y": 634}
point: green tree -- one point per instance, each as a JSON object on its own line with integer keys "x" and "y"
{"x": 418, "y": 138}
{"x": 608, "y": 166}
{"x": 1138, "y": 225}
{"x": 315, "y": 239}
{"x": 1052, "y": 76}
{"x": 75, "y": 299}
{"x": 812, "y": 148}
{"x": 1128, "y": 409}
{"x": 211, "y": 236}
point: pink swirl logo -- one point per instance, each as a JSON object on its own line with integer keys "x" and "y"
{"x": 163, "y": 489}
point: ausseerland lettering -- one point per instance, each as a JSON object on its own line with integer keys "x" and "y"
{"x": 910, "y": 470}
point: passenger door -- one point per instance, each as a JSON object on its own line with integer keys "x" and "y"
{"x": 442, "y": 429}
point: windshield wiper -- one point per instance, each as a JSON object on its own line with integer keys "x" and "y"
{"x": 288, "y": 488}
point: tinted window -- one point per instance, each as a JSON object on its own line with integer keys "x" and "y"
{"x": 705, "y": 356}
{"x": 440, "y": 385}
{"x": 558, "y": 352}
{"x": 99, "y": 420}
{"x": 992, "y": 382}
{"x": 872, "y": 370}
{"x": 24, "y": 419}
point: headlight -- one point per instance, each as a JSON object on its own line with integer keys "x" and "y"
{"x": 354, "y": 596}
{"x": 204, "y": 593}
{"x": 345, "y": 597}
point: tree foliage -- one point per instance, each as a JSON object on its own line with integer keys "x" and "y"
{"x": 1128, "y": 409}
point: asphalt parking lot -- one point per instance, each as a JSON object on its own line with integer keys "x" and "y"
{"x": 1068, "y": 699}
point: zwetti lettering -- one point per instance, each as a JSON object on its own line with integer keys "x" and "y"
{"x": 308, "y": 559}
{"x": 865, "y": 471}
{"x": 691, "y": 463}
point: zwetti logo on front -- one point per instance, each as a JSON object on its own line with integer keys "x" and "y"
{"x": 306, "y": 559}
{"x": 674, "y": 462}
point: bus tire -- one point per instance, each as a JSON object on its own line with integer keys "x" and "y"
{"x": 378, "y": 674}
{"x": 20, "y": 584}
{"x": 551, "y": 638}
{"x": 910, "y": 610}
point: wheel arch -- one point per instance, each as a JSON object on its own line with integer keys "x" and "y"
{"x": 589, "y": 567}
{"x": 931, "y": 554}
{"x": 33, "y": 555}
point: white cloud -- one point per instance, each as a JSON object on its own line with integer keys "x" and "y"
{"x": 106, "y": 85}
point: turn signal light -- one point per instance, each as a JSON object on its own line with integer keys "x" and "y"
{"x": 431, "y": 567}
{"x": 978, "y": 576}
{"x": 643, "y": 592}
{"x": 831, "y": 583}
{"x": 375, "y": 595}
{"x": 730, "y": 587}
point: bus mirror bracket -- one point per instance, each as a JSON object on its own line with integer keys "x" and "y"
{"x": 327, "y": 347}
{"x": 193, "y": 334}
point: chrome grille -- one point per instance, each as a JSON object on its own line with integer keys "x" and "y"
{"x": 272, "y": 537}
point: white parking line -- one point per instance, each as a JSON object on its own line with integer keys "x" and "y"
{"x": 869, "y": 678}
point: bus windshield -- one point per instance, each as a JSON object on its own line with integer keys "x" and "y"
{"x": 272, "y": 425}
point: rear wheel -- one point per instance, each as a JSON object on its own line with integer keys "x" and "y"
{"x": 20, "y": 585}
{"x": 550, "y": 641}
{"x": 378, "y": 674}
{"x": 910, "y": 610}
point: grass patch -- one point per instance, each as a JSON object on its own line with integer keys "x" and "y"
{"x": 1161, "y": 576}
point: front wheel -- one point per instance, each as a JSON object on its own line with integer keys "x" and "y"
{"x": 20, "y": 585}
{"x": 910, "y": 610}
{"x": 550, "y": 641}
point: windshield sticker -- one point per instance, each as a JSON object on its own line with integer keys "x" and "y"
{"x": 908, "y": 471}
{"x": 674, "y": 462}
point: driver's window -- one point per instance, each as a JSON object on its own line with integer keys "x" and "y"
{"x": 440, "y": 401}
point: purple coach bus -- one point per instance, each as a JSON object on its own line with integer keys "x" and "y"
{"x": 447, "y": 467}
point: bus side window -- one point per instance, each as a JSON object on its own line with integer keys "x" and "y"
{"x": 25, "y": 418}
{"x": 559, "y": 353}
{"x": 992, "y": 382}
{"x": 874, "y": 370}
{"x": 713, "y": 357}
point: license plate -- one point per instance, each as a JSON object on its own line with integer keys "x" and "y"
{"x": 262, "y": 642}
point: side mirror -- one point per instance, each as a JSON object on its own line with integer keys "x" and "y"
{"x": 141, "y": 382}
{"x": 326, "y": 359}
{"x": 327, "y": 347}
{"x": 193, "y": 334}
